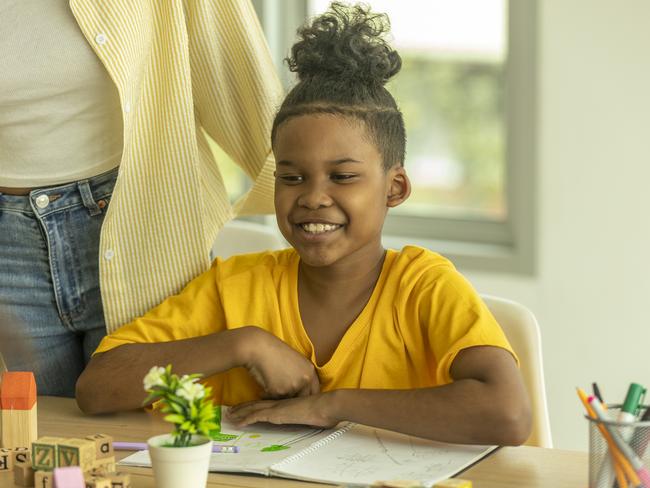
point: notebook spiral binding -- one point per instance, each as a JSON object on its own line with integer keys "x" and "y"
{"x": 317, "y": 445}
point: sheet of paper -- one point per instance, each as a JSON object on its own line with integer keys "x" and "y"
{"x": 364, "y": 455}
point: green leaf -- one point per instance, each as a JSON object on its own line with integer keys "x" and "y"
{"x": 177, "y": 399}
{"x": 153, "y": 397}
{"x": 175, "y": 419}
{"x": 176, "y": 407}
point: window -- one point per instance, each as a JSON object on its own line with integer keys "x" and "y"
{"x": 466, "y": 89}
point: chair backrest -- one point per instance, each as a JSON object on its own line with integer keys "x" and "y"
{"x": 521, "y": 329}
{"x": 239, "y": 237}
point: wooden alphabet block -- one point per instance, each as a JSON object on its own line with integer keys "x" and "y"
{"x": 120, "y": 480}
{"x": 23, "y": 474}
{"x": 6, "y": 460}
{"x": 22, "y": 454}
{"x": 102, "y": 467}
{"x": 103, "y": 445}
{"x": 18, "y": 404}
{"x": 98, "y": 482}
{"x": 44, "y": 453}
{"x": 43, "y": 479}
{"x": 68, "y": 477}
{"x": 9, "y": 457}
{"x": 76, "y": 452}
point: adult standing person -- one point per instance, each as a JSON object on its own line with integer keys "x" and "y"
{"x": 110, "y": 197}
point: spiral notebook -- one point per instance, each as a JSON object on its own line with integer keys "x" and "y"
{"x": 353, "y": 454}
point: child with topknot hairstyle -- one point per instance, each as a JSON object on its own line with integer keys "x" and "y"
{"x": 335, "y": 328}
{"x": 343, "y": 62}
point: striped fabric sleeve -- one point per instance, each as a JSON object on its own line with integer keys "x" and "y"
{"x": 236, "y": 89}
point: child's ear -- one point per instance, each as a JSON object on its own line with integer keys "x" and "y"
{"x": 399, "y": 187}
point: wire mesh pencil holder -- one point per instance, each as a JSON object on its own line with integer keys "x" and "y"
{"x": 637, "y": 435}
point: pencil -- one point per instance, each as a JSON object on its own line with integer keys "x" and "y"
{"x": 142, "y": 446}
{"x": 618, "y": 461}
{"x": 624, "y": 447}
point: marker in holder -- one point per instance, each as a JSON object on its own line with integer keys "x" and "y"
{"x": 600, "y": 457}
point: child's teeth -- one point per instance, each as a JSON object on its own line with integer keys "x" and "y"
{"x": 316, "y": 228}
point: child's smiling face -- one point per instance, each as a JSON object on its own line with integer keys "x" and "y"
{"x": 331, "y": 189}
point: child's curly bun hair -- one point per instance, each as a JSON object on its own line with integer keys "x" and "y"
{"x": 343, "y": 61}
{"x": 346, "y": 43}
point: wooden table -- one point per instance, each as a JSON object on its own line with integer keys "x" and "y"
{"x": 509, "y": 467}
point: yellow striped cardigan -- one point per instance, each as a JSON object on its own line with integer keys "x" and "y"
{"x": 182, "y": 68}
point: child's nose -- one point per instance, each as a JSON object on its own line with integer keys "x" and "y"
{"x": 314, "y": 196}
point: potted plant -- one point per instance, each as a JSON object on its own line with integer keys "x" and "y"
{"x": 181, "y": 458}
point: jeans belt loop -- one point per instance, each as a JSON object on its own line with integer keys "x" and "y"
{"x": 87, "y": 198}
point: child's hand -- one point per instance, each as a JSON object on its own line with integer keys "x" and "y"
{"x": 311, "y": 410}
{"x": 278, "y": 369}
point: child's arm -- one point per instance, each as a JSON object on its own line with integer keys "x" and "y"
{"x": 486, "y": 404}
{"x": 112, "y": 380}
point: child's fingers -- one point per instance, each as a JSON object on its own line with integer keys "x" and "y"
{"x": 236, "y": 408}
{"x": 314, "y": 386}
{"x": 251, "y": 412}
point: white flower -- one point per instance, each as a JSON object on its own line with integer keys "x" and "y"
{"x": 190, "y": 391}
{"x": 154, "y": 378}
{"x": 185, "y": 379}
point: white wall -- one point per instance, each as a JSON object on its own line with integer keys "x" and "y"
{"x": 592, "y": 290}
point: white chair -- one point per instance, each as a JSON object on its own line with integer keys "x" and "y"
{"x": 239, "y": 237}
{"x": 522, "y": 330}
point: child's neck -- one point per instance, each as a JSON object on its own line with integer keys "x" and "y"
{"x": 357, "y": 274}
{"x": 331, "y": 298}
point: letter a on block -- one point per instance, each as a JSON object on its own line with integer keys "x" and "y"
{"x": 18, "y": 404}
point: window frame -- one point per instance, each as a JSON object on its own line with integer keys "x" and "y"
{"x": 471, "y": 243}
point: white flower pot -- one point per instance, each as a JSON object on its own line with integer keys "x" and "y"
{"x": 175, "y": 467}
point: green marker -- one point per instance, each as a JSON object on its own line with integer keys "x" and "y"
{"x": 627, "y": 415}
{"x": 630, "y": 409}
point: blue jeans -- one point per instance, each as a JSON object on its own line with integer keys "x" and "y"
{"x": 51, "y": 315}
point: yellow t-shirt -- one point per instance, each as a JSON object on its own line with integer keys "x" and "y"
{"x": 421, "y": 313}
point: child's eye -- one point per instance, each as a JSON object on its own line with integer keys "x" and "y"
{"x": 290, "y": 179}
{"x": 343, "y": 177}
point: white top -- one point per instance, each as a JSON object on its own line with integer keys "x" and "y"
{"x": 60, "y": 114}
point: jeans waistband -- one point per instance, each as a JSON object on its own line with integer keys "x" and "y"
{"x": 43, "y": 201}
